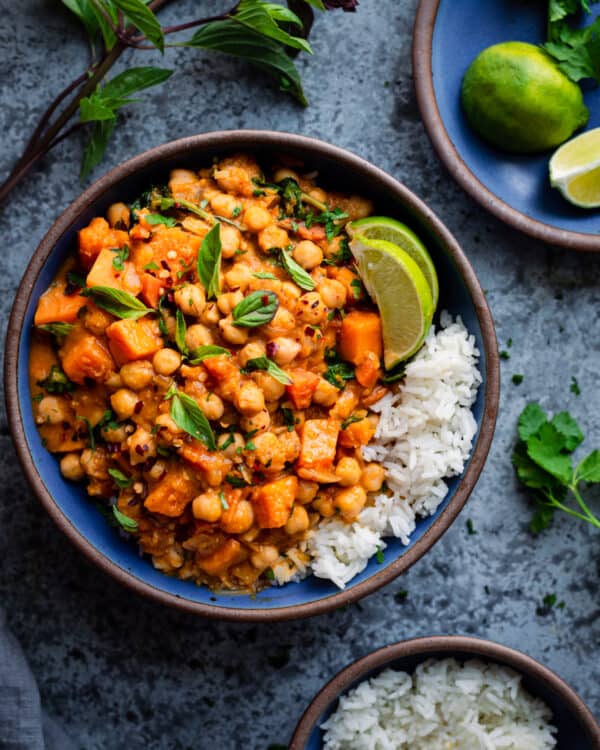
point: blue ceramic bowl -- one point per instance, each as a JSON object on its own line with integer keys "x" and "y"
{"x": 448, "y": 35}
{"x": 577, "y": 728}
{"x": 67, "y": 502}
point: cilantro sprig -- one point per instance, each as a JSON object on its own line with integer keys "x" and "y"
{"x": 544, "y": 464}
{"x": 576, "y": 50}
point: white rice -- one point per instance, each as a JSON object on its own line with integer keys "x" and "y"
{"x": 442, "y": 706}
{"x": 424, "y": 435}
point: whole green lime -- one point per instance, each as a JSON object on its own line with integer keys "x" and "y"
{"x": 516, "y": 98}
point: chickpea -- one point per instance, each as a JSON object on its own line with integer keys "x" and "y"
{"x": 291, "y": 444}
{"x": 229, "y": 300}
{"x": 238, "y": 518}
{"x": 53, "y": 410}
{"x": 348, "y": 470}
{"x": 224, "y": 205}
{"x": 326, "y": 394}
{"x": 324, "y": 506}
{"x": 198, "y": 335}
{"x": 289, "y": 293}
{"x": 212, "y": 406}
{"x": 372, "y": 477}
{"x": 113, "y": 381}
{"x": 269, "y": 452}
{"x": 115, "y": 435}
{"x": 123, "y": 402}
{"x": 272, "y": 389}
{"x": 333, "y": 293}
{"x": 166, "y": 361}
{"x": 70, "y": 467}
{"x": 249, "y": 399}
{"x": 207, "y": 506}
{"x": 118, "y": 216}
{"x": 256, "y": 218}
{"x": 298, "y": 521}
{"x": 137, "y": 375}
{"x": 311, "y": 309}
{"x": 319, "y": 194}
{"x": 232, "y": 333}
{"x": 232, "y": 448}
{"x": 264, "y": 556}
{"x": 283, "y": 173}
{"x": 94, "y": 463}
{"x": 286, "y": 349}
{"x": 283, "y": 322}
{"x": 251, "y": 351}
{"x": 210, "y": 316}
{"x": 350, "y": 502}
{"x": 191, "y": 299}
{"x": 333, "y": 248}
{"x": 158, "y": 469}
{"x": 141, "y": 446}
{"x": 230, "y": 240}
{"x": 261, "y": 421}
{"x": 239, "y": 277}
{"x": 234, "y": 179}
{"x": 165, "y": 422}
{"x": 181, "y": 177}
{"x": 358, "y": 207}
{"x": 306, "y": 492}
{"x": 307, "y": 254}
{"x": 273, "y": 236}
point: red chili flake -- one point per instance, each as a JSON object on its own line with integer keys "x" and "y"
{"x": 168, "y": 282}
{"x": 140, "y": 450}
{"x": 272, "y": 349}
{"x": 314, "y": 304}
{"x": 177, "y": 205}
{"x": 265, "y": 299}
{"x": 138, "y": 407}
{"x": 134, "y": 500}
{"x": 165, "y": 265}
{"x": 309, "y": 331}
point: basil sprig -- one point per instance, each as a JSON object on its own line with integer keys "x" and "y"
{"x": 256, "y": 309}
{"x": 266, "y": 364}
{"x": 117, "y": 302}
{"x": 209, "y": 262}
{"x": 187, "y": 415}
{"x": 298, "y": 274}
{"x": 207, "y": 351}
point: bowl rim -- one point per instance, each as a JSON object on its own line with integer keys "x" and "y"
{"x": 447, "y": 645}
{"x": 422, "y": 47}
{"x": 251, "y": 140}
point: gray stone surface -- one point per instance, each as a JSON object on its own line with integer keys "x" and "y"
{"x": 120, "y": 672}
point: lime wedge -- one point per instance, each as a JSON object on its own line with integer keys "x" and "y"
{"x": 384, "y": 228}
{"x": 400, "y": 290}
{"x": 575, "y": 169}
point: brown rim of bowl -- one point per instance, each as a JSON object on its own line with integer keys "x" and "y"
{"x": 446, "y": 151}
{"x": 447, "y": 645}
{"x": 250, "y": 140}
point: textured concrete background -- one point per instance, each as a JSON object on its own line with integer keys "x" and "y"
{"x": 120, "y": 672}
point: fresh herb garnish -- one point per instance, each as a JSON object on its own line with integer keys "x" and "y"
{"x": 229, "y": 440}
{"x": 352, "y": 419}
{"x": 342, "y": 256}
{"x": 121, "y": 480}
{"x": 543, "y": 461}
{"x": 236, "y": 212}
{"x": 57, "y": 329}
{"x": 187, "y": 415}
{"x": 117, "y": 302}
{"x": 298, "y": 274}
{"x": 261, "y": 275}
{"x": 337, "y": 371}
{"x": 264, "y": 363}
{"x": 517, "y": 378}
{"x": 206, "y": 352}
{"x": 288, "y": 418}
{"x": 470, "y": 528}
{"x": 152, "y": 266}
{"x": 209, "y": 262}
{"x": 121, "y": 256}
{"x": 180, "y": 331}
{"x": 127, "y": 524}
{"x": 256, "y": 309}
{"x": 332, "y": 221}
{"x": 160, "y": 219}
{"x": 380, "y": 556}
{"x": 504, "y": 354}
{"x": 576, "y": 50}
{"x": 574, "y": 387}
{"x": 223, "y": 501}
{"x": 56, "y": 381}
{"x": 236, "y": 481}
{"x": 269, "y": 574}
{"x": 357, "y": 288}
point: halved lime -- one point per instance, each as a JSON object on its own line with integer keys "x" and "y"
{"x": 400, "y": 290}
{"x": 575, "y": 169}
{"x": 384, "y": 228}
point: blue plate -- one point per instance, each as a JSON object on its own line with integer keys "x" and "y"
{"x": 449, "y": 34}
{"x": 67, "y": 502}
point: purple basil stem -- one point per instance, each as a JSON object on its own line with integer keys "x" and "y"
{"x": 349, "y": 6}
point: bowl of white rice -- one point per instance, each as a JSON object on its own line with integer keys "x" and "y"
{"x": 446, "y": 693}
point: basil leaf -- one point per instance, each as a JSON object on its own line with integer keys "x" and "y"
{"x": 257, "y": 16}
{"x": 134, "y": 79}
{"x": 56, "y": 382}
{"x": 160, "y": 219}
{"x": 143, "y": 19}
{"x": 95, "y": 147}
{"x": 117, "y": 302}
{"x": 152, "y": 266}
{"x": 180, "y": 330}
{"x": 187, "y": 415}
{"x": 261, "y": 275}
{"x": 57, "y": 329}
{"x": 264, "y": 363}
{"x": 256, "y": 309}
{"x": 298, "y": 274}
{"x": 209, "y": 262}
{"x": 207, "y": 351}
{"x": 120, "y": 479}
{"x": 127, "y": 524}
{"x": 121, "y": 256}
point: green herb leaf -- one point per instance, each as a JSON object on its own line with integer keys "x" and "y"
{"x": 531, "y": 419}
{"x": 559, "y": 9}
{"x": 117, "y": 302}
{"x": 352, "y": 419}
{"x": 56, "y": 382}
{"x": 90, "y": 429}
{"x": 545, "y": 450}
{"x": 337, "y": 371}
{"x": 127, "y": 524}
{"x": 121, "y": 480}
{"x": 577, "y": 51}
{"x": 57, "y": 329}
{"x": 574, "y": 387}
{"x": 96, "y": 146}
{"x": 258, "y": 15}
{"x": 187, "y": 415}
{"x": 160, "y": 219}
{"x": 236, "y": 481}
{"x": 298, "y": 274}
{"x": 206, "y": 352}
{"x": 223, "y": 501}
{"x": 143, "y": 19}
{"x": 152, "y": 266}
{"x": 261, "y": 275}
{"x": 380, "y": 556}
{"x": 180, "y": 331}
{"x": 470, "y": 527}
{"x": 588, "y": 470}
{"x": 257, "y": 309}
{"x": 341, "y": 257}
{"x": 264, "y": 363}
{"x": 209, "y": 262}
{"x": 121, "y": 256}
{"x": 357, "y": 288}
{"x": 568, "y": 428}
{"x": 517, "y": 379}
{"x": 288, "y": 418}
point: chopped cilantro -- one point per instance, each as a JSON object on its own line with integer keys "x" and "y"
{"x": 517, "y": 378}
